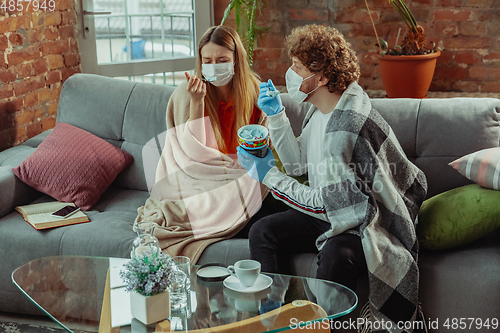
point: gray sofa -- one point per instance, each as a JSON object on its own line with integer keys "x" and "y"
{"x": 461, "y": 282}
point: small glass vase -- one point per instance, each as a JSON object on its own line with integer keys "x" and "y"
{"x": 178, "y": 290}
{"x": 145, "y": 240}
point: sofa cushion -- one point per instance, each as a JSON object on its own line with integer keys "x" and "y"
{"x": 402, "y": 116}
{"x": 450, "y": 128}
{"x": 144, "y": 127}
{"x": 109, "y": 234}
{"x": 433, "y": 132}
{"x": 122, "y": 200}
{"x": 95, "y": 103}
{"x": 20, "y": 244}
{"x": 37, "y": 139}
{"x": 482, "y": 167}
{"x": 225, "y": 252}
{"x": 458, "y": 217}
{"x": 73, "y": 165}
{"x": 16, "y": 155}
{"x": 295, "y": 112}
{"x": 14, "y": 192}
{"x": 461, "y": 282}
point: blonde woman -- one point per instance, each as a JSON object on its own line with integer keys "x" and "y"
{"x": 202, "y": 194}
{"x": 225, "y": 89}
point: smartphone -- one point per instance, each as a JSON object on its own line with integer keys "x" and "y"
{"x": 65, "y": 211}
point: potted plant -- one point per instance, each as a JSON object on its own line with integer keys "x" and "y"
{"x": 245, "y": 16}
{"x": 407, "y": 69}
{"x": 148, "y": 277}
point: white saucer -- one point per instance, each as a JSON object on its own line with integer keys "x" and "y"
{"x": 262, "y": 282}
{"x": 212, "y": 272}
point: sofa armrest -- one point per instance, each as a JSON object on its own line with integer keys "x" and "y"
{"x": 13, "y": 191}
{"x": 36, "y": 140}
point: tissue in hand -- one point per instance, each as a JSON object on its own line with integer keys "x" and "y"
{"x": 272, "y": 93}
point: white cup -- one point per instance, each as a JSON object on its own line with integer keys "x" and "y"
{"x": 247, "y": 271}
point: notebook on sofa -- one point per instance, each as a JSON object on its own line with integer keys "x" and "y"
{"x": 40, "y": 215}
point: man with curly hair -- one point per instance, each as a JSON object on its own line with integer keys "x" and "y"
{"x": 360, "y": 206}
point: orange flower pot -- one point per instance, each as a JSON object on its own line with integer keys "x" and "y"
{"x": 407, "y": 76}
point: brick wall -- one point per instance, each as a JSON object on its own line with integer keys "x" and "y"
{"x": 38, "y": 52}
{"x": 39, "y": 49}
{"x": 468, "y": 30}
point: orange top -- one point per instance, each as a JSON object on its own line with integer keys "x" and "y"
{"x": 226, "y": 117}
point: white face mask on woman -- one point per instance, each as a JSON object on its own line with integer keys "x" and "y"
{"x": 293, "y": 83}
{"x": 218, "y": 74}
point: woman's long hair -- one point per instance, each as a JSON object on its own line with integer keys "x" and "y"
{"x": 244, "y": 85}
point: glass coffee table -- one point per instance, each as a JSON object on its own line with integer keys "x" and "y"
{"x": 85, "y": 293}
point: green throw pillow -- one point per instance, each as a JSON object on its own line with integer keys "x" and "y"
{"x": 458, "y": 217}
{"x": 301, "y": 179}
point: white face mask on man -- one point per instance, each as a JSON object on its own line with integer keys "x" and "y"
{"x": 218, "y": 74}
{"x": 293, "y": 83}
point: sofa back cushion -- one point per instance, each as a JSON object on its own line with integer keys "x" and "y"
{"x": 432, "y": 132}
{"x": 124, "y": 113}
{"x": 144, "y": 124}
{"x": 95, "y": 104}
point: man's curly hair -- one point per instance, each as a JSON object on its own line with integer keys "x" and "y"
{"x": 324, "y": 49}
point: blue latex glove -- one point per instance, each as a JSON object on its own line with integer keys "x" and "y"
{"x": 270, "y": 105}
{"x": 256, "y": 167}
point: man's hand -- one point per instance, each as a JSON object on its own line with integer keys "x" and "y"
{"x": 196, "y": 88}
{"x": 270, "y": 105}
{"x": 256, "y": 167}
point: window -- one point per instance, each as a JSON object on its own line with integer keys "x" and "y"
{"x": 142, "y": 40}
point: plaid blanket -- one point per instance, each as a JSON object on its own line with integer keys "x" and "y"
{"x": 374, "y": 183}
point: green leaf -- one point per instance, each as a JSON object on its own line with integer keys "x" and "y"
{"x": 408, "y": 14}
{"x": 383, "y": 44}
{"x": 227, "y": 12}
{"x": 405, "y": 14}
{"x": 245, "y": 17}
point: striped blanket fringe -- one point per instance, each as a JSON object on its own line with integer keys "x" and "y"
{"x": 365, "y": 313}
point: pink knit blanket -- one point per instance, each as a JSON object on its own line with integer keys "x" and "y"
{"x": 201, "y": 195}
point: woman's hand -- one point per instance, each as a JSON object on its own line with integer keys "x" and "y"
{"x": 196, "y": 88}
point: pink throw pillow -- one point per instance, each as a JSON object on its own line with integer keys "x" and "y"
{"x": 482, "y": 167}
{"x": 73, "y": 165}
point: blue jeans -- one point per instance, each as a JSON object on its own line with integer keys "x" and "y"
{"x": 276, "y": 238}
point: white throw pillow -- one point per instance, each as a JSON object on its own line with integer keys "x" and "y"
{"x": 482, "y": 167}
